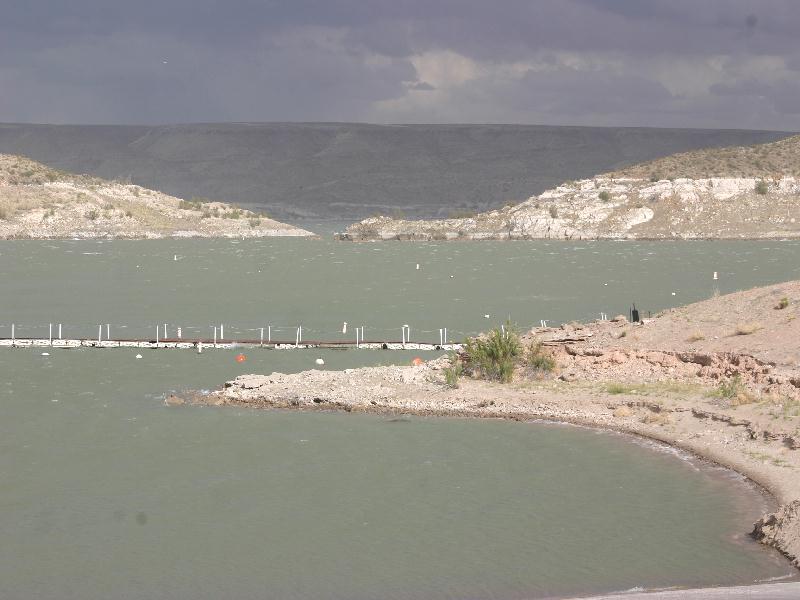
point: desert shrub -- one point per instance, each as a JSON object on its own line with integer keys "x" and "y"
{"x": 761, "y": 187}
{"x": 493, "y": 357}
{"x": 108, "y": 206}
{"x": 553, "y": 212}
{"x": 3, "y": 213}
{"x": 696, "y": 337}
{"x": 92, "y": 215}
{"x": 538, "y": 360}
{"x": 190, "y": 205}
{"x": 135, "y": 191}
{"x": 51, "y": 176}
{"x": 747, "y": 328}
{"x": 604, "y": 196}
{"x": 206, "y": 214}
{"x": 734, "y": 391}
{"x": 453, "y": 372}
{"x": 255, "y": 223}
{"x": 129, "y": 214}
{"x": 655, "y": 177}
{"x": 782, "y": 303}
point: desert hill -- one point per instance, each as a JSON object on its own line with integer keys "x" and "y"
{"x": 729, "y": 193}
{"x": 37, "y": 201}
{"x": 301, "y": 172}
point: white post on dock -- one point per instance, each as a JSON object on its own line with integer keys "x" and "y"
{"x": 362, "y": 334}
{"x": 269, "y": 333}
{"x": 440, "y": 337}
{"x": 59, "y": 331}
{"x": 13, "y": 335}
{"x": 215, "y": 336}
{"x": 300, "y": 329}
{"x": 108, "y": 332}
{"x": 261, "y": 343}
{"x": 403, "y": 334}
{"x": 221, "y": 331}
{"x": 445, "y": 335}
{"x": 356, "y": 337}
{"x": 50, "y": 335}
{"x": 99, "y": 333}
{"x": 297, "y": 338}
{"x": 156, "y": 336}
{"x": 165, "y": 331}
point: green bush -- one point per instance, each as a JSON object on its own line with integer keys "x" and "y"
{"x": 655, "y": 177}
{"x": 604, "y": 196}
{"x": 255, "y": 223}
{"x": 453, "y": 372}
{"x": 538, "y": 360}
{"x": 92, "y": 215}
{"x": 761, "y": 187}
{"x": 494, "y": 356}
{"x": 783, "y": 303}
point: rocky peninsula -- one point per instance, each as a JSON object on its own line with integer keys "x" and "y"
{"x": 730, "y": 193}
{"x": 37, "y": 202}
{"x": 719, "y": 378}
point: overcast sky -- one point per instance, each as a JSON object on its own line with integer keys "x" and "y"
{"x": 672, "y": 63}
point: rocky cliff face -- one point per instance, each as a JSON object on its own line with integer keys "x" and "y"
{"x": 39, "y": 202}
{"x": 749, "y": 192}
{"x": 630, "y": 208}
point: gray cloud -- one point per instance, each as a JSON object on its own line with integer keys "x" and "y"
{"x": 623, "y": 62}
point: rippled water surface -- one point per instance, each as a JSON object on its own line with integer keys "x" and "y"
{"x": 105, "y": 493}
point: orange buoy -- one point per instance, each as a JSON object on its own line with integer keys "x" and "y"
{"x": 417, "y": 361}
{"x": 240, "y": 358}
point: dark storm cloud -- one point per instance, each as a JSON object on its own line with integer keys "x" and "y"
{"x": 662, "y": 62}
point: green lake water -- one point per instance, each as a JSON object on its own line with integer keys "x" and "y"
{"x": 106, "y": 493}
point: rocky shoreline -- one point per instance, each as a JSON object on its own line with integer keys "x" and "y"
{"x": 731, "y": 398}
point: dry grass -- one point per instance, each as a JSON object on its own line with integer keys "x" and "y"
{"x": 695, "y": 337}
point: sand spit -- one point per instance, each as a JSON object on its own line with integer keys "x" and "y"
{"x": 695, "y": 377}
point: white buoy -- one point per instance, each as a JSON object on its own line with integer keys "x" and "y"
{"x": 452, "y": 276}
{"x": 138, "y": 356}
{"x": 417, "y": 266}
{"x": 199, "y": 347}
{"x": 180, "y": 333}
{"x": 485, "y": 316}
{"x": 45, "y": 354}
{"x": 715, "y": 276}
{"x": 319, "y": 361}
{"x": 673, "y": 293}
{"x": 175, "y": 257}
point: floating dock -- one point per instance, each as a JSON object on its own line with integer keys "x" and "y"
{"x": 200, "y": 345}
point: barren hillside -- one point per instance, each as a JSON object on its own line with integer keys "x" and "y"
{"x": 39, "y": 202}
{"x": 729, "y": 193}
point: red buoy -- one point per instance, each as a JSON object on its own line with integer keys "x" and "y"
{"x": 240, "y": 358}
{"x": 417, "y": 361}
